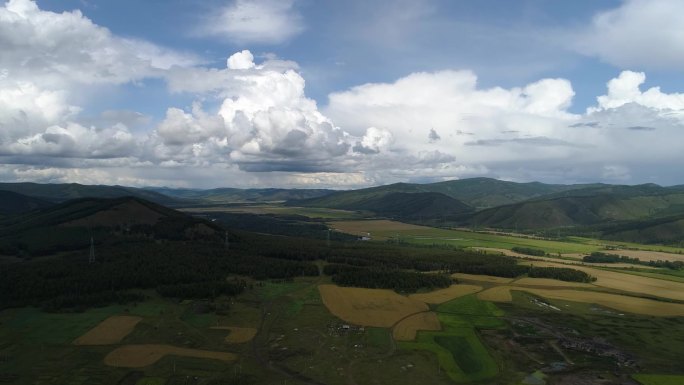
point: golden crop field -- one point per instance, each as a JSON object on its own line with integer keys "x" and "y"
{"x": 447, "y": 294}
{"x": 368, "y": 307}
{"x": 614, "y": 301}
{"x": 110, "y": 331}
{"x": 480, "y": 278}
{"x": 407, "y": 328}
{"x": 238, "y": 335}
{"x": 625, "y": 282}
{"x": 496, "y": 294}
{"x": 645, "y": 255}
{"x": 138, "y": 356}
{"x": 548, "y": 282}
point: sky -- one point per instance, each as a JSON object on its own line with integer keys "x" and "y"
{"x": 340, "y": 94}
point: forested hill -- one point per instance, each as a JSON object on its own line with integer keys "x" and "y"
{"x": 70, "y": 225}
{"x": 233, "y": 195}
{"x": 410, "y": 205}
{"x": 589, "y": 207}
{"x": 13, "y": 203}
{"x": 475, "y": 192}
{"x": 66, "y": 191}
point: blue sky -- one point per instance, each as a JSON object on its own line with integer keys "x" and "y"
{"x": 340, "y": 94}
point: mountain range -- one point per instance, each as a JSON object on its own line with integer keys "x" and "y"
{"x": 647, "y": 212}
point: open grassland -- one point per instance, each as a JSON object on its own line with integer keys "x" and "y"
{"x": 384, "y": 229}
{"x": 311, "y": 212}
{"x": 110, "y": 331}
{"x": 573, "y": 247}
{"x": 621, "y": 303}
{"x": 369, "y": 307}
{"x": 138, "y": 356}
{"x": 625, "y": 282}
{"x": 407, "y": 328}
{"x": 447, "y": 294}
{"x": 659, "y": 379}
{"x": 238, "y": 335}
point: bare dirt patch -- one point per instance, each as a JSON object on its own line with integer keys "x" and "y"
{"x": 407, "y": 328}
{"x": 110, "y": 331}
{"x": 238, "y": 335}
{"x": 368, "y": 307}
{"x": 447, "y": 294}
{"x": 138, "y": 356}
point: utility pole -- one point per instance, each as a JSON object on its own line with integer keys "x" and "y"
{"x": 227, "y": 242}
{"x": 91, "y": 258}
{"x": 328, "y": 238}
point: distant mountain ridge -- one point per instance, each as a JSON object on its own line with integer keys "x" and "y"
{"x": 475, "y": 192}
{"x": 61, "y": 192}
{"x": 234, "y": 195}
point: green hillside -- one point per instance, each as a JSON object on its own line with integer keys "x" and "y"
{"x": 585, "y": 209}
{"x": 412, "y": 205}
{"x": 13, "y": 203}
{"x": 66, "y": 191}
{"x": 234, "y": 195}
{"x": 667, "y": 230}
{"x": 475, "y": 192}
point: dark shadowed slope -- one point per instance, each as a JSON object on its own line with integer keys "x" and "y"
{"x": 12, "y": 203}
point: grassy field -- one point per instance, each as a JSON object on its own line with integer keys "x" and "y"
{"x": 384, "y": 230}
{"x": 659, "y": 379}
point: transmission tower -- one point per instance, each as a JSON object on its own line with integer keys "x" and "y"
{"x": 91, "y": 258}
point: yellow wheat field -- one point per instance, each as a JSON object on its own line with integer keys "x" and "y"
{"x": 138, "y": 356}
{"x": 238, "y": 335}
{"x": 614, "y": 301}
{"x": 368, "y": 307}
{"x": 625, "y": 282}
{"x": 110, "y": 331}
{"x": 480, "y": 278}
{"x": 444, "y": 295}
{"x": 407, "y": 328}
